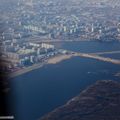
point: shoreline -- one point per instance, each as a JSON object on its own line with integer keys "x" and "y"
{"x": 59, "y": 58}
{"x": 52, "y": 60}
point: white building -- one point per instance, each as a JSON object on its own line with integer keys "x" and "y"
{"x": 47, "y": 46}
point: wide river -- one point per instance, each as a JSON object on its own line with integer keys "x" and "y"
{"x": 38, "y": 92}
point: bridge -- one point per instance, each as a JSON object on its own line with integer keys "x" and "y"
{"x": 102, "y": 53}
{"x": 97, "y": 57}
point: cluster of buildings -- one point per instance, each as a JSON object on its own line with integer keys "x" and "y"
{"x": 16, "y": 55}
{"x": 22, "y": 20}
{"x": 50, "y": 19}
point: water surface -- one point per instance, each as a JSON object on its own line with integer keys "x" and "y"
{"x": 40, "y": 91}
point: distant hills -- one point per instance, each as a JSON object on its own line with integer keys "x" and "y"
{"x": 99, "y": 102}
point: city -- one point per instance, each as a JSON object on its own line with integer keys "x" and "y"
{"x": 40, "y": 22}
{"x": 51, "y": 20}
{"x": 16, "y": 56}
{"x": 60, "y": 59}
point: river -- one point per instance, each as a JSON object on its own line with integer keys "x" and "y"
{"x": 38, "y": 92}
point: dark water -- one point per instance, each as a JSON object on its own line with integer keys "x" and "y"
{"x": 89, "y": 47}
{"x": 40, "y": 91}
{"x": 114, "y": 56}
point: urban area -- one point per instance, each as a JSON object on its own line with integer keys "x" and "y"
{"x": 27, "y": 26}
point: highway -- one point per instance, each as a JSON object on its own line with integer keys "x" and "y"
{"x": 55, "y": 41}
{"x": 38, "y": 39}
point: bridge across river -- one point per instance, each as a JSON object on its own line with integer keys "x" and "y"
{"x": 102, "y": 53}
{"x": 97, "y": 57}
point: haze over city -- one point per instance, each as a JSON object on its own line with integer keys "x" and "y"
{"x": 60, "y": 59}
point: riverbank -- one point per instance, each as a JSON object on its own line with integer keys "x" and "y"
{"x": 26, "y": 69}
{"x": 52, "y": 60}
{"x": 59, "y": 58}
